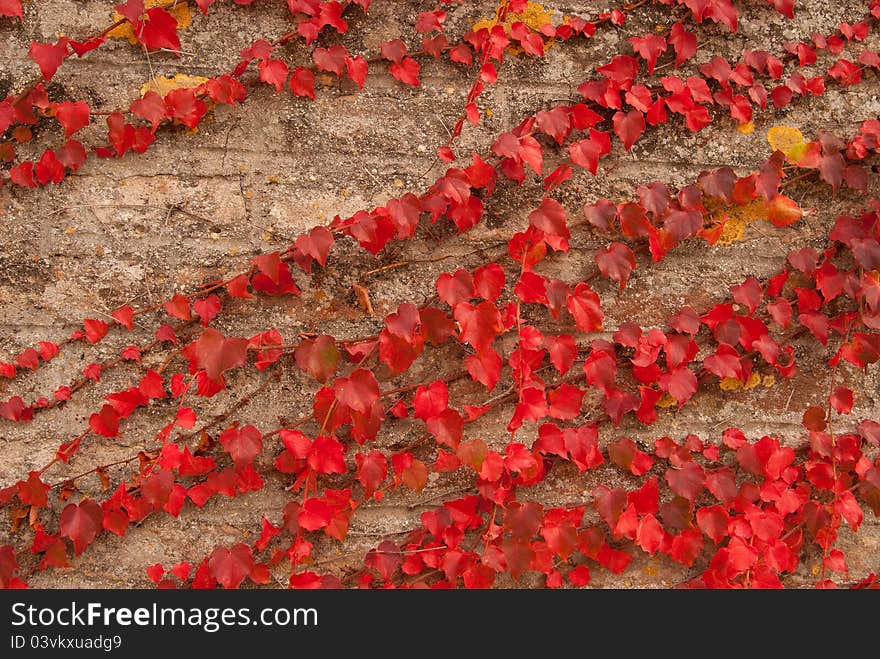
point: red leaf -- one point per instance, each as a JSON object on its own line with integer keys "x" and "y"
{"x": 584, "y": 305}
{"x": 358, "y": 392}
{"x": 214, "y": 353}
{"x": 32, "y": 492}
{"x": 814, "y": 419}
{"x": 105, "y": 422}
{"x": 409, "y": 471}
{"x": 151, "y": 107}
{"x": 563, "y": 351}
{"x": 372, "y": 470}
{"x": 48, "y": 56}
{"x": 183, "y": 105}
{"x": 385, "y": 559}
{"x": 455, "y": 288}
{"x": 549, "y": 217}
{"x": 124, "y": 315}
{"x": 586, "y": 153}
{"x": 485, "y": 367}
{"x": 842, "y": 400}
{"x": 273, "y": 72}
{"x": 231, "y": 567}
{"x": 686, "y": 481}
{"x": 616, "y": 262}
{"x": 318, "y": 357}
{"x": 479, "y": 324}
{"x": 556, "y": 123}
{"x": 302, "y": 82}
{"x": 316, "y": 244}
{"x": 242, "y": 444}
{"x": 10, "y": 8}
{"x": 684, "y": 43}
{"x": 624, "y": 453}
{"x": 406, "y": 71}
{"x": 680, "y": 383}
{"x": 158, "y": 31}
{"x": 81, "y": 523}
{"x": 649, "y": 47}
{"x": 650, "y": 534}
{"x": 783, "y": 211}
{"x": 713, "y": 521}
{"x": 489, "y": 281}
{"x": 629, "y": 127}
{"x": 72, "y": 115}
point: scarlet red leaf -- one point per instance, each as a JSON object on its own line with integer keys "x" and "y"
{"x": 215, "y": 354}
{"x": 479, "y": 324}
{"x": 318, "y": 357}
{"x": 407, "y": 71}
{"x": 616, "y": 262}
{"x": 49, "y": 56}
{"x": 584, "y": 305}
{"x": 358, "y": 392}
{"x": 230, "y": 567}
{"x": 629, "y": 126}
{"x": 72, "y": 115}
{"x": 159, "y": 30}
{"x": 10, "y": 8}
{"x": 81, "y": 523}
{"x": 242, "y": 444}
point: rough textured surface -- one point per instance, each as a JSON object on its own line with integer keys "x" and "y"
{"x": 198, "y": 207}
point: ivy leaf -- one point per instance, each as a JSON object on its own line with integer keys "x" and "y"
{"x": 407, "y": 71}
{"x": 132, "y": 10}
{"x": 783, "y": 211}
{"x": 242, "y": 444}
{"x": 358, "y": 392}
{"x": 684, "y": 43}
{"x": 586, "y": 153}
{"x": 49, "y": 56}
{"x": 372, "y": 470}
{"x": 629, "y": 126}
{"x": 680, "y": 383}
{"x": 842, "y": 400}
{"x": 649, "y": 47}
{"x": 158, "y": 31}
{"x": 11, "y": 8}
{"x": 549, "y": 217}
{"x": 215, "y": 353}
{"x": 584, "y": 305}
{"x": 81, "y": 523}
{"x": 230, "y": 567}
{"x": 479, "y": 324}
{"x": 273, "y": 72}
{"x": 385, "y": 559}
{"x": 151, "y": 106}
{"x": 616, "y": 262}
{"x": 318, "y": 357}
{"x": 105, "y": 422}
{"x": 72, "y": 115}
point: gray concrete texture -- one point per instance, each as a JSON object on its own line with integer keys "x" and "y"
{"x": 198, "y": 207}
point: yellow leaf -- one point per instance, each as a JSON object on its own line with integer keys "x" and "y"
{"x": 666, "y": 401}
{"x": 125, "y": 31}
{"x": 746, "y": 128}
{"x": 737, "y": 218}
{"x": 788, "y": 140}
{"x": 535, "y": 16}
{"x": 730, "y": 384}
{"x": 163, "y": 85}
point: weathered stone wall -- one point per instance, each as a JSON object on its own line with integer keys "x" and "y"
{"x": 198, "y": 207}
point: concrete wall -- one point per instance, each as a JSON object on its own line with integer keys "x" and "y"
{"x": 197, "y": 207}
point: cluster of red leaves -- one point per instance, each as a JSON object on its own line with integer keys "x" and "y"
{"x": 744, "y": 511}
